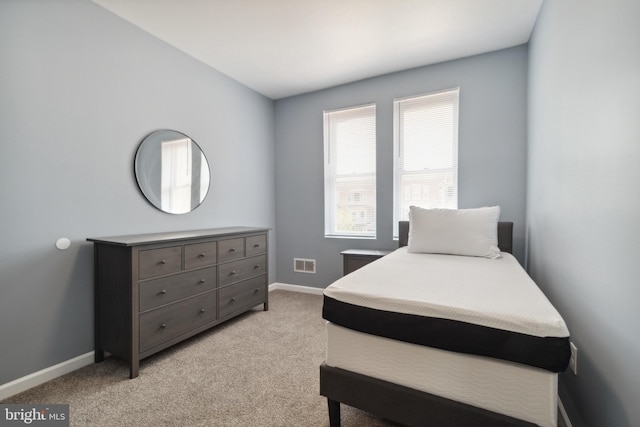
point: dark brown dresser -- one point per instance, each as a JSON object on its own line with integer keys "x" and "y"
{"x": 155, "y": 290}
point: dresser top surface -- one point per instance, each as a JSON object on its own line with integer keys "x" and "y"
{"x": 142, "y": 239}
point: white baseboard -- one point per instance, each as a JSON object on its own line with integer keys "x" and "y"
{"x": 295, "y": 288}
{"x": 35, "y": 379}
{"x": 563, "y": 413}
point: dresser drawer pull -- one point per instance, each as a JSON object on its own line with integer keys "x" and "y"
{"x": 256, "y": 291}
{"x": 201, "y": 281}
{"x": 256, "y": 245}
{"x": 162, "y": 261}
{"x": 201, "y": 255}
{"x": 257, "y": 266}
{"x": 232, "y": 299}
{"x": 163, "y": 326}
{"x": 162, "y": 292}
{"x": 233, "y": 273}
{"x": 232, "y": 250}
{"x": 202, "y": 310}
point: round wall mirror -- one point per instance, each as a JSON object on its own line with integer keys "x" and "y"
{"x": 172, "y": 171}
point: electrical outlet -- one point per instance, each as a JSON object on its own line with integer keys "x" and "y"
{"x": 573, "y": 361}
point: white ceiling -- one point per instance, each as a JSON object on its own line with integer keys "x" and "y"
{"x": 287, "y": 47}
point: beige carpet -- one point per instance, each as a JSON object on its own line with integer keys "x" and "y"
{"x": 260, "y": 369}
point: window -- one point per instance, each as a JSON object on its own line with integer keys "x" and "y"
{"x": 175, "y": 179}
{"x": 425, "y": 153}
{"x": 350, "y": 172}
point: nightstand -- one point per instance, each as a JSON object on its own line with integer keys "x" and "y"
{"x": 353, "y": 259}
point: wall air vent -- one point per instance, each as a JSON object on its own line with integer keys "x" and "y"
{"x": 301, "y": 265}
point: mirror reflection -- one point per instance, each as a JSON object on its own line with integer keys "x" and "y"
{"x": 172, "y": 171}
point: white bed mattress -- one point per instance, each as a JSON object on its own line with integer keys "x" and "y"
{"x": 496, "y": 293}
{"x": 508, "y": 388}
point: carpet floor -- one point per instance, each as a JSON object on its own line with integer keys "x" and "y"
{"x": 259, "y": 369}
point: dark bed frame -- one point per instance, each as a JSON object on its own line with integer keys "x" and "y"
{"x": 402, "y": 404}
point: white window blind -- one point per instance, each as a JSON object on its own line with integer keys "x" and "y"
{"x": 350, "y": 172}
{"x": 425, "y": 153}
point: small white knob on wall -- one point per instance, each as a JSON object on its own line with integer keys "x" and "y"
{"x": 63, "y": 243}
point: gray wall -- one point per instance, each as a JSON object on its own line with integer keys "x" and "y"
{"x": 491, "y": 154}
{"x": 79, "y": 89}
{"x": 583, "y": 200}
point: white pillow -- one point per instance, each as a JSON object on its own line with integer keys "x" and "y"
{"x": 471, "y": 232}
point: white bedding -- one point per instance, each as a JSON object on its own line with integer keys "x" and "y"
{"x": 496, "y": 293}
{"x": 508, "y": 388}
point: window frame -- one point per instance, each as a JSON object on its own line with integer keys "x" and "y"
{"x": 398, "y": 149}
{"x": 332, "y": 176}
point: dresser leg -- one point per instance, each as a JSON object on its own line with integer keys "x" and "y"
{"x": 134, "y": 368}
{"x": 98, "y": 355}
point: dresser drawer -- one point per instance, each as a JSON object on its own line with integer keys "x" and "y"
{"x": 165, "y": 323}
{"x": 256, "y": 245}
{"x": 156, "y": 262}
{"x": 200, "y": 255}
{"x": 154, "y": 293}
{"x": 230, "y": 249}
{"x": 237, "y": 271}
{"x": 243, "y": 295}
